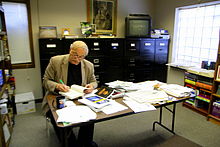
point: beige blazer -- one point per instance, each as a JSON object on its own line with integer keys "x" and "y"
{"x": 57, "y": 70}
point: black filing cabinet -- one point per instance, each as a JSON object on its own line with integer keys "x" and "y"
{"x": 49, "y": 48}
{"x": 161, "y": 59}
{"x": 147, "y": 52}
{"x": 128, "y": 59}
{"x": 139, "y": 59}
{"x": 146, "y": 59}
{"x": 132, "y": 59}
{"x": 114, "y": 59}
{"x": 96, "y": 56}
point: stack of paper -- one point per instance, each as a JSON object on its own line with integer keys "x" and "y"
{"x": 75, "y": 114}
{"x": 148, "y": 96}
{"x": 176, "y": 90}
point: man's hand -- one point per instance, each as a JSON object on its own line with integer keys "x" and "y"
{"x": 88, "y": 90}
{"x": 62, "y": 87}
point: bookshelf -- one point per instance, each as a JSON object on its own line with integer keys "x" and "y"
{"x": 7, "y": 87}
{"x": 203, "y": 87}
{"x": 207, "y": 99}
{"x": 214, "y": 107}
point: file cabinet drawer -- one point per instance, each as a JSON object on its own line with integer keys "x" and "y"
{"x": 162, "y": 43}
{"x": 132, "y": 48}
{"x": 114, "y": 47}
{"x": 98, "y": 62}
{"x": 96, "y": 46}
{"x": 50, "y": 47}
{"x": 147, "y": 47}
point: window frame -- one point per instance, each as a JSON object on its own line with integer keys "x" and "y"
{"x": 32, "y": 63}
{"x": 175, "y": 38}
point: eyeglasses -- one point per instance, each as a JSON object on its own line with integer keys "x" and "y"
{"x": 74, "y": 54}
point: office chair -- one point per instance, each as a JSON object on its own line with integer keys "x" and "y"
{"x": 48, "y": 121}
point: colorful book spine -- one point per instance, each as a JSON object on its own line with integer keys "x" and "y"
{"x": 205, "y": 86}
{"x": 190, "y": 81}
{"x": 201, "y": 97}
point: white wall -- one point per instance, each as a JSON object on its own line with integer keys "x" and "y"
{"x": 67, "y": 14}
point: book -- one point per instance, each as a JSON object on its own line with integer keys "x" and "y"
{"x": 105, "y": 92}
{"x": 95, "y": 101}
{"x": 190, "y": 81}
{"x": 74, "y": 92}
{"x": 203, "y": 85}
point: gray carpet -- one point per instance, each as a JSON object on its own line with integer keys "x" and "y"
{"x": 132, "y": 131}
{"x": 179, "y": 141}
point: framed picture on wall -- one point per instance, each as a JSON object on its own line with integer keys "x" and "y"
{"x": 218, "y": 74}
{"x": 47, "y": 32}
{"x": 103, "y": 14}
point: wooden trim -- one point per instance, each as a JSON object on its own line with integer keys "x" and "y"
{"x": 32, "y": 63}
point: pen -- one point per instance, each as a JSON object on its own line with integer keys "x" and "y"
{"x": 61, "y": 82}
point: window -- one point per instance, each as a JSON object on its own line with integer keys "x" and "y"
{"x": 196, "y": 34}
{"x": 18, "y": 25}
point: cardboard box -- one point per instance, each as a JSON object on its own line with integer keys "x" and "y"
{"x": 25, "y": 103}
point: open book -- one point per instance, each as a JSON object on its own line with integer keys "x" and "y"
{"x": 74, "y": 92}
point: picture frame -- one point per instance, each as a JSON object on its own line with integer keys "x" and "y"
{"x": 103, "y": 14}
{"x": 48, "y": 32}
{"x": 86, "y": 28}
{"x": 218, "y": 74}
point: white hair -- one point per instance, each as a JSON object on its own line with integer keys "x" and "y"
{"x": 79, "y": 44}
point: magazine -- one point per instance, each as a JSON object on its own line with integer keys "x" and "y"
{"x": 95, "y": 101}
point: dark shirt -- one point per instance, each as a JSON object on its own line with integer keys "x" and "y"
{"x": 74, "y": 74}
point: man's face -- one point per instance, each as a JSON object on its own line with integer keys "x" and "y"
{"x": 76, "y": 56}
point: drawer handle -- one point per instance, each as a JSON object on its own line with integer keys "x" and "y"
{"x": 162, "y": 44}
{"x": 96, "y": 61}
{"x": 147, "y": 44}
{"x": 96, "y": 49}
{"x": 51, "y": 45}
{"x": 96, "y": 65}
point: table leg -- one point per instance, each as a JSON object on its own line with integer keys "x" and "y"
{"x": 160, "y": 119}
{"x": 65, "y": 134}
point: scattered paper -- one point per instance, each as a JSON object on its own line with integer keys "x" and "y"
{"x": 113, "y": 107}
{"x": 138, "y": 107}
